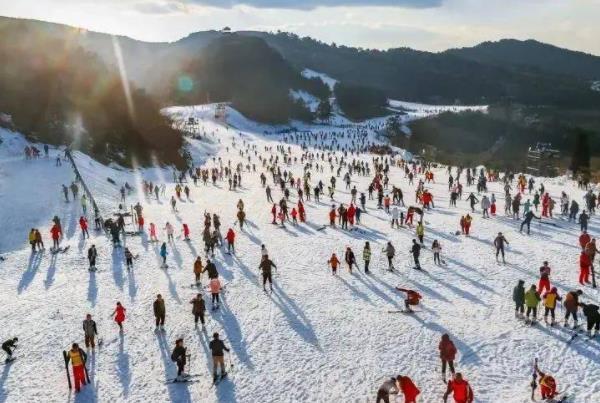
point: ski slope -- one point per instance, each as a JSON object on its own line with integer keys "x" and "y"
{"x": 317, "y": 338}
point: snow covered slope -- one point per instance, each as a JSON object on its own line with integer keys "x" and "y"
{"x": 317, "y": 338}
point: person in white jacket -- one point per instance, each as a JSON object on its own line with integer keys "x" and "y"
{"x": 485, "y": 206}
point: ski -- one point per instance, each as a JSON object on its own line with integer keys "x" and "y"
{"x": 66, "y": 358}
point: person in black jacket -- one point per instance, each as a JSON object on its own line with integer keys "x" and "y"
{"x": 211, "y": 269}
{"x": 416, "y": 252}
{"x": 265, "y": 265}
{"x": 9, "y": 346}
{"x": 217, "y": 347}
{"x": 179, "y": 356}
{"x": 92, "y": 255}
{"x": 593, "y": 317}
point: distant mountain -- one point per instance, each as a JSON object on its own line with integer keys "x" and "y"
{"x": 511, "y": 53}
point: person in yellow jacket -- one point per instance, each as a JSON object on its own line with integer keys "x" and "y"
{"x": 198, "y": 269}
{"x": 550, "y": 300}
{"x": 78, "y": 358}
{"x": 32, "y": 239}
{"x": 420, "y": 231}
{"x": 532, "y": 299}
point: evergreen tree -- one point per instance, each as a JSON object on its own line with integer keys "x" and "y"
{"x": 324, "y": 110}
{"x": 580, "y": 160}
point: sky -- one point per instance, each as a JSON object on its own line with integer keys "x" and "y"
{"x": 421, "y": 24}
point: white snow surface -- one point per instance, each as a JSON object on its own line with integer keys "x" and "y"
{"x": 596, "y": 86}
{"x": 329, "y": 81}
{"x": 317, "y": 338}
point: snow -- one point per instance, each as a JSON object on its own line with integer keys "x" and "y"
{"x": 311, "y": 102}
{"x": 418, "y": 111}
{"x": 329, "y": 81}
{"x": 317, "y": 338}
{"x": 596, "y": 86}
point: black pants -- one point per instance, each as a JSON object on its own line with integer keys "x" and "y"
{"x": 230, "y": 247}
{"x": 436, "y": 258}
{"x": 160, "y": 320}
{"x": 420, "y": 238}
{"x": 500, "y": 251}
{"x": 383, "y": 395}
{"x": 528, "y": 223}
{"x": 180, "y": 366}
{"x": 450, "y": 365}
{"x": 8, "y": 351}
{"x": 199, "y": 315}
{"x": 532, "y": 310}
{"x": 571, "y": 313}
{"x": 215, "y": 298}
{"x": 390, "y": 265}
{"x": 520, "y": 308}
{"x": 593, "y": 323}
{"x": 549, "y": 311}
{"x": 416, "y": 259}
{"x": 366, "y": 266}
{"x": 129, "y": 261}
{"x": 93, "y": 262}
{"x": 267, "y": 277}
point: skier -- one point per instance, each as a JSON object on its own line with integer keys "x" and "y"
{"x": 472, "y": 200}
{"x": 78, "y": 358}
{"x": 416, "y": 251}
{"x": 584, "y": 268}
{"x": 571, "y": 305}
{"x": 215, "y": 289}
{"x": 198, "y": 309}
{"x": 467, "y": 224}
{"x": 460, "y": 390}
{"x": 9, "y": 346}
{"x": 265, "y": 266}
{"x": 519, "y": 299}
{"x": 584, "y": 239}
{"x": 583, "y": 220}
{"x": 92, "y": 254}
{"x": 217, "y": 348}
{"x": 56, "y": 234}
{"x": 367, "y": 256}
{"x": 179, "y": 356}
{"x": 119, "y": 314}
{"x": 333, "y": 262}
{"x": 499, "y": 242}
{"x": 532, "y": 299}
{"x": 159, "y": 311}
{"x": 186, "y": 232}
{"x": 590, "y": 311}
{"x": 128, "y": 258}
{"x": 83, "y": 223}
{"x": 527, "y": 221}
{"x": 436, "y": 248}
{"x": 197, "y": 269}
{"x": 420, "y": 231}
{"x": 390, "y": 251}
{"x": 550, "y": 300}
{"x": 447, "y": 354}
{"x": 163, "y": 254}
{"x": 544, "y": 283}
{"x": 389, "y": 388}
{"x": 412, "y": 298}
{"x": 169, "y": 228}
{"x": 90, "y": 331}
{"x": 547, "y": 384}
{"x": 153, "y": 237}
{"x": 350, "y": 259}
{"x": 230, "y": 241}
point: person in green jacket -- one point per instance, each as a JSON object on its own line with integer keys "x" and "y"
{"x": 420, "y": 231}
{"x": 519, "y": 299}
{"x": 367, "y": 256}
{"x": 532, "y": 299}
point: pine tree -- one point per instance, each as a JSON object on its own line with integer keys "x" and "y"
{"x": 580, "y": 160}
{"x": 324, "y": 110}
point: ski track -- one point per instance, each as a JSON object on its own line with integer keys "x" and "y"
{"x": 316, "y": 338}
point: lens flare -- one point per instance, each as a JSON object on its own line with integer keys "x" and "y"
{"x": 185, "y": 84}
{"x": 123, "y": 74}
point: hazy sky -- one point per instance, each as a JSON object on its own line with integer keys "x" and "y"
{"x": 421, "y": 24}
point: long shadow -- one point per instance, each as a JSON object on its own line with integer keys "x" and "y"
{"x": 92, "y": 289}
{"x": 364, "y": 233}
{"x": 295, "y": 316}
{"x": 366, "y": 280}
{"x": 458, "y": 291}
{"x": 177, "y": 392}
{"x": 355, "y": 291}
{"x": 132, "y": 286}
{"x": 246, "y": 271}
{"x": 51, "y": 271}
{"x": 28, "y": 275}
{"x": 429, "y": 291}
{"x": 473, "y": 282}
{"x": 252, "y": 237}
{"x": 3, "y": 391}
{"x": 232, "y": 328}
{"x": 123, "y": 370}
{"x": 443, "y": 235}
{"x": 176, "y": 255}
{"x": 192, "y": 248}
{"x": 117, "y": 267}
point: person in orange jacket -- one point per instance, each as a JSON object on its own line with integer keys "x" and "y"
{"x": 412, "y": 298}
{"x": 584, "y": 238}
{"x": 332, "y": 216}
{"x": 78, "y": 357}
{"x": 460, "y": 390}
{"x": 584, "y": 268}
{"x": 333, "y": 262}
{"x": 547, "y": 384}
{"x": 230, "y": 240}
{"x": 56, "y": 234}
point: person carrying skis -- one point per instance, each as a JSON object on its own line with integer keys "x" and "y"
{"x": 119, "y": 314}
{"x": 163, "y": 254}
{"x": 590, "y": 311}
{"x": 92, "y": 254}
{"x": 550, "y": 300}
{"x": 179, "y": 356}
{"x": 198, "y": 309}
{"x": 367, "y": 256}
{"x": 571, "y": 305}
{"x": 529, "y": 216}
{"x": 416, "y": 252}
{"x": 159, "y": 311}
{"x": 198, "y": 269}
{"x": 217, "y": 348}
{"x": 499, "y": 242}
{"x": 532, "y": 299}
{"x": 9, "y": 346}
{"x": 90, "y": 331}
{"x": 128, "y": 258}
{"x": 230, "y": 241}
{"x": 547, "y": 384}
{"x": 412, "y": 298}
{"x": 265, "y": 266}
{"x": 460, "y": 390}
{"x": 544, "y": 283}
{"x": 333, "y": 262}
{"x": 350, "y": 259}
{"x": 215, "y": 288}
{"x": 78, "y": 358}
{"x": 519, "y": 299}
{"x": 447, "y": 354}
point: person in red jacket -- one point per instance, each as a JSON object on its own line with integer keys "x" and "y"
{"x": 584, "y": 268}
{"x": 350, "y": 213}
{"x": 332, "y": 216}
{"x": 547, "y": 384}
{"x": 447, "y": 354}
{"x": 186, "y": 232}
{"x": 140, "y": 223}
{"x": 301, "y": 212}
{"x": 460, "y": 390}
{"x": 294, "y": 216}
{"x": 412, "y": 298}
{"x": 544, "y": 283}
{"x": 230, "y": 240}
{"x": 56, "y": 233}
{"x": 119, "y": 314}
{"x": 83, "y": 223}
{"x": 584, "y": 238}
{"x": 274, "y": 213}
{"x": 408, "y": 389}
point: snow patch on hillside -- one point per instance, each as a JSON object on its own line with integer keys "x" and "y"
{"x": 329, "y": 81}
{"x": 596, "y": 86}
{"x": 311, "y": 102}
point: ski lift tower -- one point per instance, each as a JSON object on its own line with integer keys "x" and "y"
{"x": 542, "y": 160}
